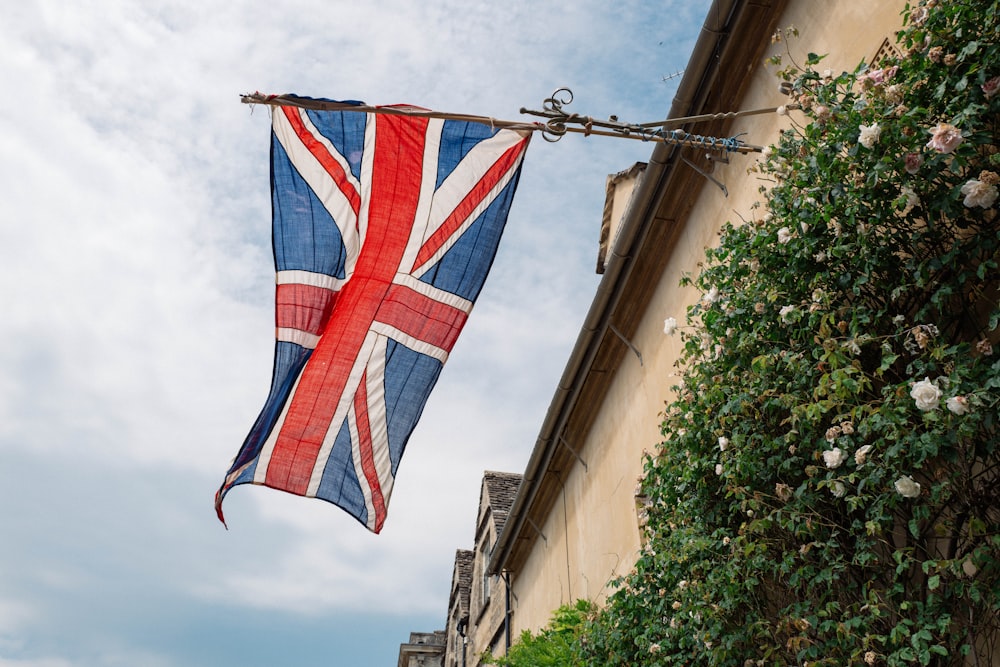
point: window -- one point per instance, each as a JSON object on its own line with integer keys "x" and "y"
{"x": 485, "y": 552}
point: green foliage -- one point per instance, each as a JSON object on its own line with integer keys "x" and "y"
{"x": 828, "y": 487}
{"x": 557, "y": 645}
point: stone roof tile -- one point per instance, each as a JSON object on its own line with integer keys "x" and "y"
{"x": 502, "y": 488}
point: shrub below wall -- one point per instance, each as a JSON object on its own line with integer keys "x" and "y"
{"x": 556, "y": 645}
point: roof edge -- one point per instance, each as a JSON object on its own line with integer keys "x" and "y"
{"x": 698, "y": 76}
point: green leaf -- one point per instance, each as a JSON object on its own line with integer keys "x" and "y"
{"x": 968, "y": 50}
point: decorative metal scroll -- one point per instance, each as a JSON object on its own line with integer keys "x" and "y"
{"x": 561, "y": 121}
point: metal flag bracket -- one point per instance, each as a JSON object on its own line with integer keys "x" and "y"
{"x": 667, "y": 131}
{"x": 559, "y": 121}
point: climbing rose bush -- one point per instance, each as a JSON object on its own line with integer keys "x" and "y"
{"x": 827, "y": 491}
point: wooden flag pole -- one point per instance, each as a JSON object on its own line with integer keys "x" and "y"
{"x": 558, "y": 124}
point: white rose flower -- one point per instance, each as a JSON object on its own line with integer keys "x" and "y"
{"x": 926, "y": 395}
{"x": 958, "y": 404}
{"x": 894, "y": 93}
{"x": 785, "y": 312}
{"x": 723, "y": 442}
{"x": 979, "y": 194}
{"x": 670, "y": 326}
{"x": 712, "y": 296}
{"x": 907, "y": 487}
{"x": 838, "y": 489}
{"x": 718, "y": 468}
{"x": 869, "y": 135}
{"x": 861, "y": 455}
{"x": 834, "y": 457}
{"x": 784, "y": 235}
{"x": 912, "y": 200}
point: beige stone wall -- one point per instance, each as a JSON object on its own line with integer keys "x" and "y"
{"x": 486, "y": 613}
{"x": 591, "y": 534}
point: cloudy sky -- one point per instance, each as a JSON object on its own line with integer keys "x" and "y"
{"x": 136, "y": 314}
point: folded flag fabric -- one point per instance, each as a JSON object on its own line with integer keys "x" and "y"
{"x": 385, "y": 227}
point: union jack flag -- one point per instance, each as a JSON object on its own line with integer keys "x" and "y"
{"x": 385, "y": 227}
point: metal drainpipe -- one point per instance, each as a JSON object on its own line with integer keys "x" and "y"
{"x": 507, "y": 611}
{"x": 462, "y": 625}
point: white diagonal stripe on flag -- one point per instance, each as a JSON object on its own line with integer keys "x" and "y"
{"x": 377, "y": 422}
{"x": 373, "y": 346}
{"x": 359, "y": 472}
{"x": 428, "y": 194}
{"x": 459, "y": 185}
{"x": 319, "y": 180}
{"x": 264, "y": 458}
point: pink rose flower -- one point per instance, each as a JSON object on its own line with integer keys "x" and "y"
{"x": 958, "y": 404}
{"x": 913, "y": 162}
{"x": 945, "y": 138}
{"x": 991, "y": 87}
{"x": 881, "y": 75}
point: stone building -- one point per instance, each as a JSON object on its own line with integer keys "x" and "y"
{"x": 425, "y": 649}
{"x": 489, "y": 602}
{"x": 478, "y": 603}
{"x": 457, "y": 626}
{"x": 573, "y": 523}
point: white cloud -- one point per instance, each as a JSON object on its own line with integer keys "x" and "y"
{"x": 135, "y": 263}
{"x": 32, "y": 662}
